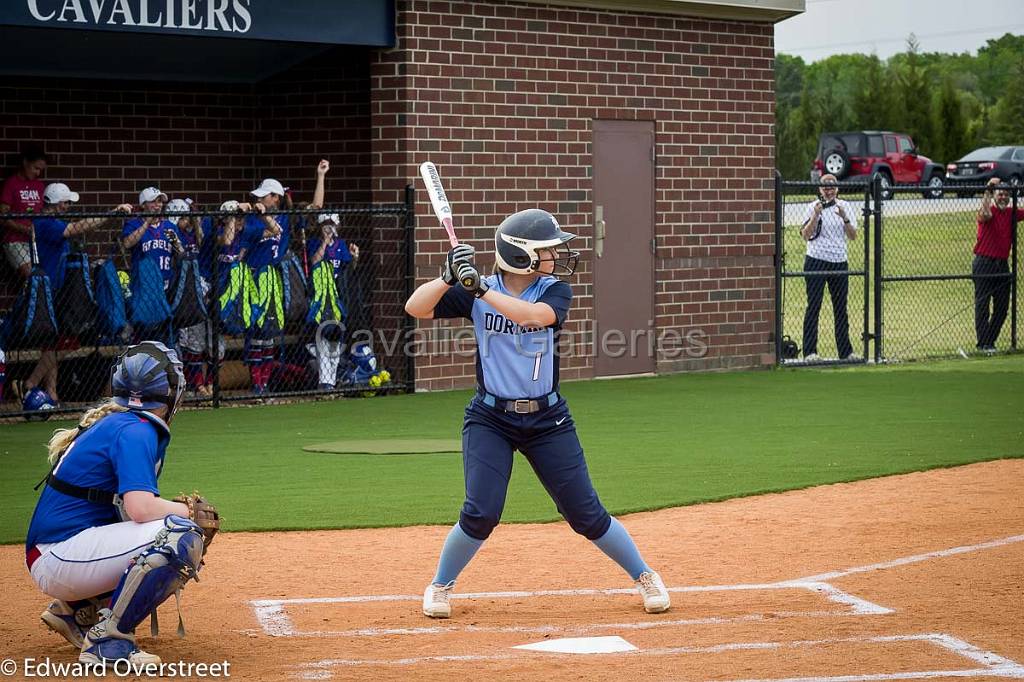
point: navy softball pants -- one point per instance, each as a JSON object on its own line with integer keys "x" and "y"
{"x": 547, "y": 438}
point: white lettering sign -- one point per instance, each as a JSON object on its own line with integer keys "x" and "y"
{"x": 227, "y": 16}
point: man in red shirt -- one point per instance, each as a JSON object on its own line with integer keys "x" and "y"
{"x": 991, "y": 267}
{"x": 22, "y": 193}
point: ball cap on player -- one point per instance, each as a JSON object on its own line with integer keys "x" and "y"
{"x": 332, "y": 218}
{"x": 151, "y": 194}
{"x": 57, "y": 192}
{"x": 229, "y": 206}
{"x": 269, "y": 186}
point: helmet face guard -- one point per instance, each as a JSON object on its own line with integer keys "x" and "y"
{"x": 564, "y": 259}
{"x": 137, "y": 385}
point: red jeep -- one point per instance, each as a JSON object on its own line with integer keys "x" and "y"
{"x": 857, "y": 156}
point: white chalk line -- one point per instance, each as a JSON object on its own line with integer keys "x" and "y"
{"x": 275, "y": 621}
{"x": 577, "y": 628}
{"x": 903, "y": 561}
{"x": 992, "y": 664}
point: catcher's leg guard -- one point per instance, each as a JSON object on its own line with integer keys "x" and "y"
{"x": 161, "y": 570}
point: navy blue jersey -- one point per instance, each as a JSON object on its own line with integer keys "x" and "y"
{"x": 512, "y": 361}
{"x": 154, "y": 244}
{"x": 190, "y": 241}
{"x": 262, "y": 251}
{"x": 52, "y": 247}
{"x": 120, "y": 453}
{"x": 336, "y": 253}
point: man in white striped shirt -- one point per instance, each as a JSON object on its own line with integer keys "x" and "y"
{"x": 828, "y": 223}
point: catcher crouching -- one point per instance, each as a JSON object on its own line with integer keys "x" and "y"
{"x": 102, "y": 542}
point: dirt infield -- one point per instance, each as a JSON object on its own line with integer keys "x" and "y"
{"x": 908, "y": 577}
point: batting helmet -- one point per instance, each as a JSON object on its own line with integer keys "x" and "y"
{"x": 521, "y": 235}
{"x": 147, "y": 376}
{"x": 38, "y": 400}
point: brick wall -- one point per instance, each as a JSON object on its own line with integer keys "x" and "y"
{"x": 501, "y": 97}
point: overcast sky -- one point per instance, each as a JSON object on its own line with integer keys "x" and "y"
{"x": 881, "y": 26}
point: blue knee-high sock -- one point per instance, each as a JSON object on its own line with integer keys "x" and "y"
{"x": 459, "y": 549}
{"x": 619, "y": 546}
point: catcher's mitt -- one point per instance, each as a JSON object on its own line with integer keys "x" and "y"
{"x": 203, "y": 514}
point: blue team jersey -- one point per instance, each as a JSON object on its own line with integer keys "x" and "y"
{"x": 154, "y": 244}
{"x": 512, "y": 361}
{"x": 190, "y": 241}
{"x": 259, "y": 251}
{"x": 336, "y": 253}
{"x": 120, "y": 453}
{"x": 53, "y": 248}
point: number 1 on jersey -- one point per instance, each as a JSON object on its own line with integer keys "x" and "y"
{"x": 536, "y": 365}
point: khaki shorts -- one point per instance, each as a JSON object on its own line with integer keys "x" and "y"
{"x": 18, "y": 254}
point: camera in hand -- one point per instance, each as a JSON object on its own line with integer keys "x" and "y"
{"x": 827, "y": 204}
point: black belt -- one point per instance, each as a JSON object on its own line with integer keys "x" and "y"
{"x": 520, "y": 405}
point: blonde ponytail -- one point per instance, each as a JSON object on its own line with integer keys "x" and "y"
{"x": 62, "y": 438}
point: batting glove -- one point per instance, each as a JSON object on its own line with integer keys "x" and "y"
{"x": 470, "y": 279}
{"x": 463, "y": 253}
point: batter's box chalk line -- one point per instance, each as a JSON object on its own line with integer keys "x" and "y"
{"x": 987, "y": 663}
{"x": 274, "y": 620}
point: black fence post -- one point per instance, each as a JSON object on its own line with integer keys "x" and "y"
{"x": 215, "y": 322}
{"x": 779, "y": 245}
{"x": 876, "y": 192}
{"x": 410, "y": 283}
{"x": 1013, "y": 269}
{"x": 867, "y": 335}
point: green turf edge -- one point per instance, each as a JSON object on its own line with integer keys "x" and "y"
{"x": 631, "y": 510}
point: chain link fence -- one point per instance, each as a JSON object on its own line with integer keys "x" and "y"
{"x": 286, "y": 304}
{"x": 916, "y": 287}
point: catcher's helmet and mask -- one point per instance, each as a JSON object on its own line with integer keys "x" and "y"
{"x": 522, "y": 235}
{"x": 147, "y": 376}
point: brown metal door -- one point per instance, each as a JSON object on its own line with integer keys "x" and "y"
{"x": 623, "y": 214}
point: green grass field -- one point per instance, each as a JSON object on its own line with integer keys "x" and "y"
{"x": 650, "y": 443}
{"x": 921, "y": 319}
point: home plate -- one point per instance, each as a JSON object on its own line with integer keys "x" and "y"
{"x": 580, "y": 645}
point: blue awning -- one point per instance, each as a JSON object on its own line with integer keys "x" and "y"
{"x": 328, "y": 22}
{"x": 184, "y": 40}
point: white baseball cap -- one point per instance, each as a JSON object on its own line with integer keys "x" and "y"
{"x": 57, "y": 192}
{"x": 151, "y": 194}
{"x": 328, "y": 218}
{"x": 269, "y": 186}
{"x": 229, "y": 206}
{"x": 176, "y": 206}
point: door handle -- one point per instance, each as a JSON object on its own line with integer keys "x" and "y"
{"x": 600, "y": 230}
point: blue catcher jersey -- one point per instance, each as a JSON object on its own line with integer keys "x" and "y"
{"x": 122, "y": 452}
{"x": 512, "y": 361}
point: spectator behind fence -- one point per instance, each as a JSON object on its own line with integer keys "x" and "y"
{"x": 52, "y": 235}
{"x": 991, "y": 257}
{"x": 22, "y": 193}
{"x": 265, "y": 240}
{"x": 151, "y": 237}
{"x": 195, "y": 341}
{"x": 827, "y": 225}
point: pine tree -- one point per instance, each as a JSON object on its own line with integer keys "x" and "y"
{"x": 950, "y": 125}
{"x": 872, "y": 100}
{"x": 1008, "y": 113}
{"x": 916, "y": 97}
